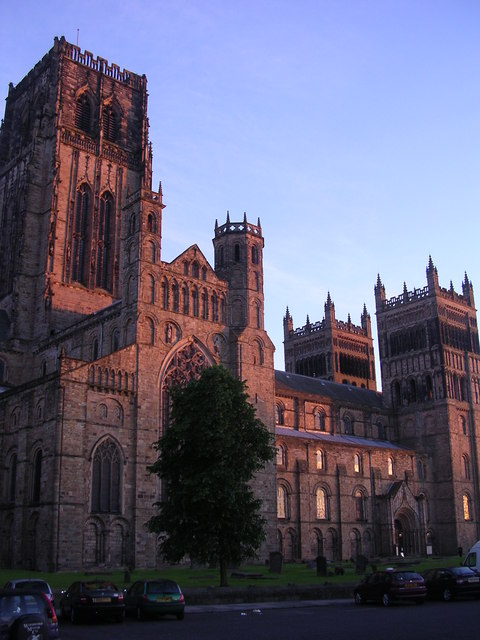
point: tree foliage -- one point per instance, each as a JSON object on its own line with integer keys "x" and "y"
{"x": 210, "y": 451}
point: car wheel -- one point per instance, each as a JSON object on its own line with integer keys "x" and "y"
{"x": 447, "y": 595}
{"x": 386, "y": 600}
{"x": 359, "y": 598}
{"x": 140, "y": 615}
{"x": 180, "y": 616}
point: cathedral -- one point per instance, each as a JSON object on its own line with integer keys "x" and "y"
{"x": 95, "y": 327}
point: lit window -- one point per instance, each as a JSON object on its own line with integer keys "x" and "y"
{"x": 321, "y": 501}
{"x": 282, "y": 502}
{"x": 320, "y": 459}
{"x": 390, "y": 466}
{"x": 357, "y": 463}
{"x": 467, "y": 510}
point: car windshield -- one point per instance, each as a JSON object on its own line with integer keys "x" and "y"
{"x": 462, "y": 571}
{"x": 162, "y": 587}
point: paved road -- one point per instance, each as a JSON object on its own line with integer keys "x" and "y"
{"x": 339, "y": 620}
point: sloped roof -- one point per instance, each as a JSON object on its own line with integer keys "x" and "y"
{"x": 341, "y": 439}
{"x": 344, "y": 393}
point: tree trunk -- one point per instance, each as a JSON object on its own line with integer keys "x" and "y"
{"x": 223, "y": 573}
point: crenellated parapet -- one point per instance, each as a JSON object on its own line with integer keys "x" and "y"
{"x": 100, "y": 65}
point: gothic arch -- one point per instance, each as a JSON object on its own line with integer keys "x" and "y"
{"x": 185, "y": 362}
{"x": 407, "y": 529}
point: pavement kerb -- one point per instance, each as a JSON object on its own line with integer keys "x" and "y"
{"x": 256, "y": 608}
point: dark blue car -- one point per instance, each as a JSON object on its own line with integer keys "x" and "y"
{"x": 27, "y": 615}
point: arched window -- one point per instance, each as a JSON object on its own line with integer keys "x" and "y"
{"x": 214, "y": 305}
{"x": 175, "y": 297}
{"x": 466, "y": 467}
{"x": 37, "y": 477}
{"x": 254, "y": 254}
{"x": 204, "y": 305}
{"x": 279, "y": 419}
{"x": 357, "y": 463}
{"x": 319, "y": 420}
{"x": 106, "y": 477}
{"x": 321, "y": 502}
{"x": 195, "y": 269}
{"x": 83, "y": 113}
{"x": 94, "y": 349}
{"x": 195, "y": 301}
{"x": 115, "y": 340}
{"x": 380, "y": 431}
{"x": 390, "y": 467}
{"x": 223, "y": 308}
{"x": 236, "y": 253}
{"x": 150, "y": 331}
{"x": 164, "y": 293}
{"x": 151, "y": 289}
{"x": 396, "y": 394}
{"x": 428, "y": 388}
{"x": 104, "y": 266}
{"x": 220, "y": 256}
{"x": 463, "y": 425}
{"x": 281, "y": 458}
{"x": 152, "y": 223}
{"x": 320, "y": 458}
{"x": 360, "y": 513}
{"x": 257, "y": 315}
{"x": 258, "y": 357}
{"x": 412, "y": 387}
{"x": 467, "y": 507}
{"x": 185, "y": 301}
{"x": 347, "y": 425}
{"x": 282, "y": 503}
{"x": 110, "y": 124}
{"x": 81, "y": 237}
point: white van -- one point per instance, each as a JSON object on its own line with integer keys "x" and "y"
{"x": 473, "y": 557}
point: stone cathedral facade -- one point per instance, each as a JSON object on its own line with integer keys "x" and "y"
{"x": 95, "y": 327}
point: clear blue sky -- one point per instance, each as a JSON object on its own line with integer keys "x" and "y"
{"x": 351, "y": 128}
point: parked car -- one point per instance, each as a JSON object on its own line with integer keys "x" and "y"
{"x": 390, "y": 586}
{"x": 450, "y": 583}
{"x": 94, "y": 598}
{"x": 155, "y": 597}
{"x": 31, "y": 584}
{"x": 27, "y": 615}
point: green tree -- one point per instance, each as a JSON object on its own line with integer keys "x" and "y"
{"x": 208, "y": 455}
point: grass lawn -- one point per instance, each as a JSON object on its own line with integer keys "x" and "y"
{"x": 292, "y": 573}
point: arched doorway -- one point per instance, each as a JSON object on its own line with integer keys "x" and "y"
{"x": 407, "y": 534}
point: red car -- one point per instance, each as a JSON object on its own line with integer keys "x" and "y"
{"x": 390, "y": 586}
